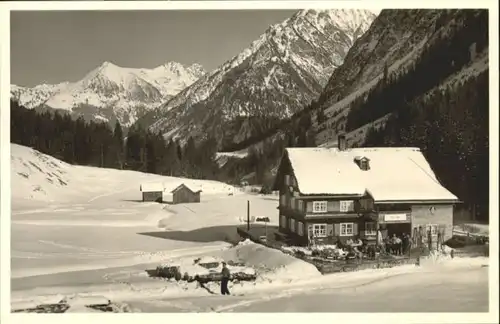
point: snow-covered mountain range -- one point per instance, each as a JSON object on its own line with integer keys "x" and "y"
{"x": 277, "y": 75}
{"x": 111, "y": 93}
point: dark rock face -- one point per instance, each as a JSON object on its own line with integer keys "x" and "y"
{"x": 394, "y": 41}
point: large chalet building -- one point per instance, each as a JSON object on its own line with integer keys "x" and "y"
{"x": 330, "y": 194}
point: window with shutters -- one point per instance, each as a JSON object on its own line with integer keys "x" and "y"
{"x": 346, "y": 205}
{"x": 319, "y": 230}
{"x": 292, "y": 203}
{"x": 300, "y": 229}
{"x": 346, "y": 229}
{"x": 320, "y": 206}
{"x": 370, "y": 228}
{"x": 292, "y": 225}
{"x": 283, "y": 200}
{"x": 283, "y": 221}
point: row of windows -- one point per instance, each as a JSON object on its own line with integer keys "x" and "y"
{"x": 294, "y": 203}
{"x": 345, "y": 206}
{"x": 320, "y": 230}
{"x": 322, "y": 206}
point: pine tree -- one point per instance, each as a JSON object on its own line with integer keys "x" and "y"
{"x": 118, "y": 142}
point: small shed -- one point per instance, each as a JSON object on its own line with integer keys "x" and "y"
{"x": 184, "y": 194}
{"x": 152, "y": 191}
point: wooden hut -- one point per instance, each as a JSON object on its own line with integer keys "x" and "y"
{"x": 152, "y": 192}
{"x": 184, "y": 194}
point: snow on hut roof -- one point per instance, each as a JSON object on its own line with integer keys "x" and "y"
{"x": 152, "y": 187}
{"x": 395, "y": 174}
{"x": 171, "y": 187}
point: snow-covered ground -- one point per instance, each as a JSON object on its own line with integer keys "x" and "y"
{"x": 88, "y": 236}
{"x": 92, "y": 218}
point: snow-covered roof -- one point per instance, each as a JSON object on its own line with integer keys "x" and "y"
{"x": 171, "y": 187}
{"x": 395, "y": 174}
{"x": 152, "y": 187}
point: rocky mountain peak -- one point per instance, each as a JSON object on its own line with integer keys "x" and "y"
{"x": 280, "y": 73}
{"x": 111, "y": 92}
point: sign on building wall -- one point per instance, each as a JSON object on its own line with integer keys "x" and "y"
{"x": 394, "y": 218}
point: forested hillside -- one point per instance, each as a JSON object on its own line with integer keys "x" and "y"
{"x": 451, "y": 127}
{"x": 437, "y": 62}
{"x": 96, "y": 144}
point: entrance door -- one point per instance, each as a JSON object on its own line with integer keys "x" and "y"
{"x": 399, "y": 229}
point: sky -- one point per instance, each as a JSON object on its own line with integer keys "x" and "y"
{"x": 57, "y": 46}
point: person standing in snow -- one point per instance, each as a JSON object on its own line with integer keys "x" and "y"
{"x": 225, "y": 279}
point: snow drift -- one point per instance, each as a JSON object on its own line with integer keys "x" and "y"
{"x": 271, "y": 265}
{"x": 268, "y": 264}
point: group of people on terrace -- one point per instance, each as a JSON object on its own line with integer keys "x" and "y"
{"x": 397, "y": 245}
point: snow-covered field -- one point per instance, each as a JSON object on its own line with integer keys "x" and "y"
{"x": 85, "y": 234}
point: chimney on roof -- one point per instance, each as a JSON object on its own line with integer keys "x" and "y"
{"x": 341, "y": 143}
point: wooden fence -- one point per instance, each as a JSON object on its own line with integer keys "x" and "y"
{"x": 349, "y": 266}
{"x": 326, "y": 266}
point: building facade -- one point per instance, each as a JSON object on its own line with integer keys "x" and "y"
{"x": 335, "y": 194}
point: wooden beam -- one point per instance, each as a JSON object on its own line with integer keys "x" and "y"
{"x": 417, "y": 202}
{"x": 316, "y": 197}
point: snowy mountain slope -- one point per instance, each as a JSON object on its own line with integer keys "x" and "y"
{"x": 111, "y": 93}
{"x": 396, "y": 39}
{"x": 37, "y": 177}
{"x": 280, "y": 73}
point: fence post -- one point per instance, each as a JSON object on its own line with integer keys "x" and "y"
{"x": 248, "y": 216}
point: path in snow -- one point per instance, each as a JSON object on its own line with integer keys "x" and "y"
{"x": 449, "y": 285}
{"x": 454, "y": 290}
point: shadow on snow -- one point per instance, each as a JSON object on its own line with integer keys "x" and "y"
{"x": 224, "y": 233}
